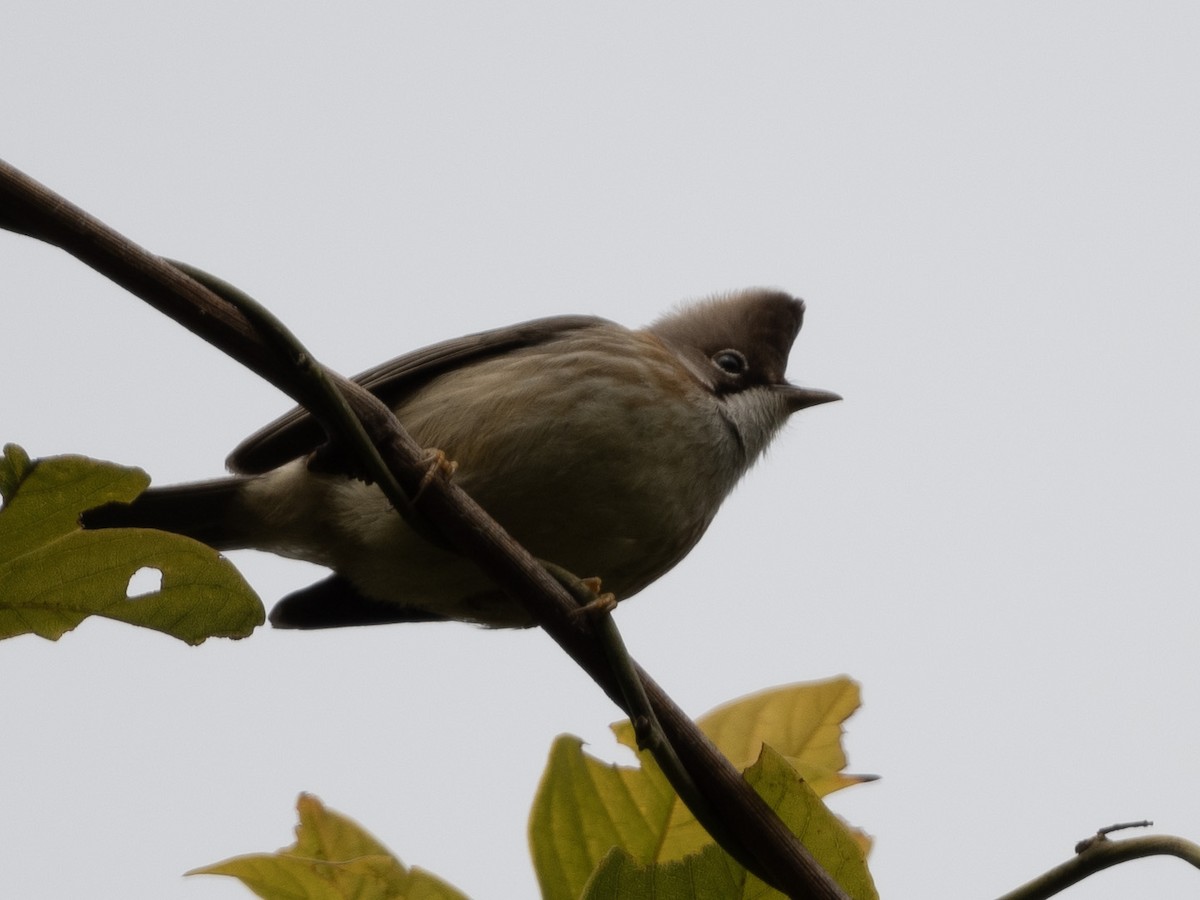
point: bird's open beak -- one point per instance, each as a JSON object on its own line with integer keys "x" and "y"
{"x": 799, "y": 398}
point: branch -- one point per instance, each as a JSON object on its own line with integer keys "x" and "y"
{"x": 766, "y": 845}
{"x": 1098, "y": 853}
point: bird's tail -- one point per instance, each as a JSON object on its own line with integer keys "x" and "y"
{"x": 206, "y": 511}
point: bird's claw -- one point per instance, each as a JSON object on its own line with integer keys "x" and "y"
{"x": 601, "y": 604}
{"x": 437, "y": 463}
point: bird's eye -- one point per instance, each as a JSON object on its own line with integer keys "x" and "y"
{"x": 731, "y": 361}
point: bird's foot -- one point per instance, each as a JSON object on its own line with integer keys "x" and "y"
{"x": 601, "y": 604}
{"x": 437, "y": 463}
{"x": 584, "y": 591}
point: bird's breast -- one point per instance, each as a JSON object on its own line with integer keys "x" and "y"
{"x": 598, "y": 451}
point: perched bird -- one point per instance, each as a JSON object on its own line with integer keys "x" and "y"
{"x": 602, "y": 449}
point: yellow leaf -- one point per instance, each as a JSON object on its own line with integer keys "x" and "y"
{"x": 710, "y": 874}
{"x": 831, "y": 842}
{"x": 585, "y": 807}
{"x": 802, "y": 722}
{"x": 333, "y": 858}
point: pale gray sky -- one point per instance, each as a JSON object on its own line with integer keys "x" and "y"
{"x": 992, "y": 211}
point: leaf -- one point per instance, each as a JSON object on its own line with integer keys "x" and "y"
{"x": 711, "y": 874}
{"x": 829, "y": 840}
{"x": 14, "y": 466}
{"x": 585, "y": 807}
{"x": 333, "y": 858}
{"x": 53, "y": 574}
{"x": 803, "y": 722}
{"x": 707, "y": 875}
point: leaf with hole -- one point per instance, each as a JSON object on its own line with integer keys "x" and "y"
{"x": 53, "y": 574}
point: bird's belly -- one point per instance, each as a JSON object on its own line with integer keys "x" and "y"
{"x": 610, "y": 478}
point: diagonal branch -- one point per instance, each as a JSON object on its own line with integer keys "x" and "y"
{"x": 765, "y": 844}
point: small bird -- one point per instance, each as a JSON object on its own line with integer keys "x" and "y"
{"x": 602, "y": 449}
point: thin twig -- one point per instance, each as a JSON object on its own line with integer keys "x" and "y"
{"x": 1100, "y": 855}
{"x": 1103, "y": 833}
{"x": 334, "y": 408}
{"x": 646, "y": 727}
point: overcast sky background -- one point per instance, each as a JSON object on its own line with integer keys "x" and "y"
{"x": 992, "y": 211}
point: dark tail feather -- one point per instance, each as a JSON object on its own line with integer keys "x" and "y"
{"x": 335, "y": 603}
{"x": 203, "y": 511}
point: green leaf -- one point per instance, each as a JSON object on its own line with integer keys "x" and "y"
{"x": 53, "y": 574}
{"x": 711, "y": 874}
{"x": 826, "y": 836}
{"x": 333, "y": 858}
{"x": 585, "y": 807}
{"x": 14, "y": 466}
{"x": 707, "y": 875}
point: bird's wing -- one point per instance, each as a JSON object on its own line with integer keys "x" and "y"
{"x": 297, "y": 432}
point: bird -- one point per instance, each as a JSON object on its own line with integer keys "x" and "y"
{"x": 602, "y": 449}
